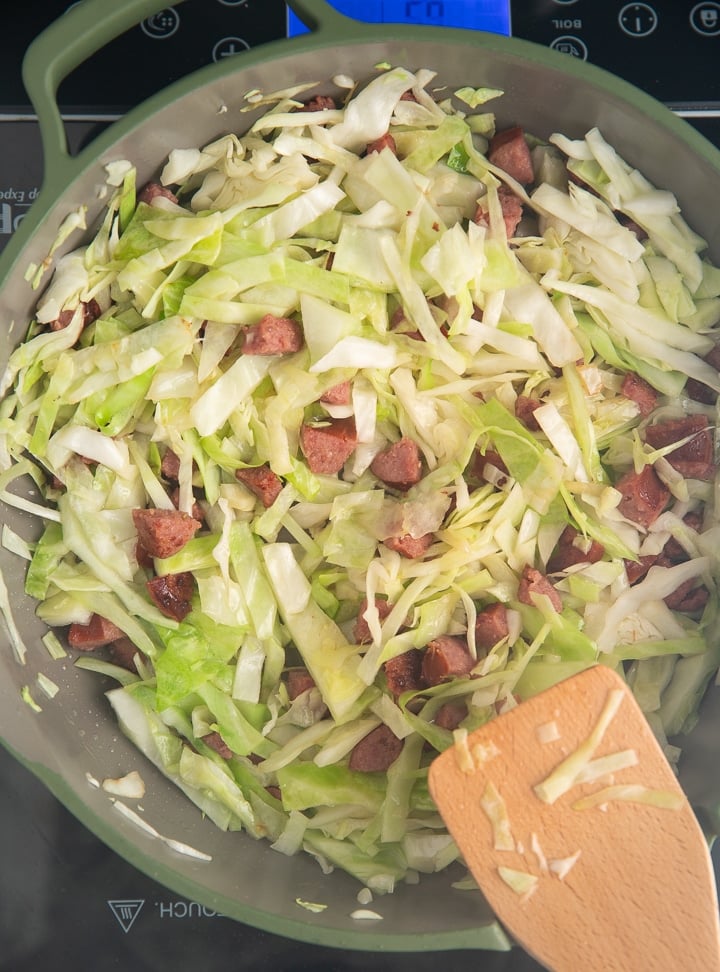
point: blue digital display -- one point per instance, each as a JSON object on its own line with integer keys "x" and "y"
{"x": 489, "y": 15}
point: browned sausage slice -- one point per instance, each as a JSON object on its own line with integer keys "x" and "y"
{"x": 377, "y": 751}
{"x": 299, "y": 680}
{"x": 328, "y": 446}
{"x": 215, "y": 741}
{"x": 404, "y": 672}
{"x": 510, "y": 152}
{"x": 172, "y": 594}
{"x": 95, "y": 634}
{"x": 532, "y": 582}
{"x": 694, "y": 459}
{"x": 491, "y": 626}
{"x": 572, "y": 549}
{"x": 639, "y": 391}
{"x": 261, "y": 481}
{"x": 409, "y": 546}
{"x": 162, "y": 533}
{"x": 399, "y": 465}
{"x": 644, "y": 496}
{"x": 273, "y": 335}
{"x": 446, "y": 657}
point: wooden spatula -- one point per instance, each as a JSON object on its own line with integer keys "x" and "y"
{"x": 574, "y": 826}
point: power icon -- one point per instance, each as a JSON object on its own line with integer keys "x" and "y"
{"x": 705, "y": 19}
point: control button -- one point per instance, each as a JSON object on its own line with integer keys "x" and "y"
{"x": 161, "y": 25}
{"x": 638, "y": 19}
{"x": 705, "y": 19}
{"x": 569, "y": 44}
{"x": 565, "y": 2}
{"x": 233, "y": 3}
{"x": 229, "y": 46}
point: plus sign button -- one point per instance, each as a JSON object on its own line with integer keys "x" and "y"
{"x": 228, "y": 46}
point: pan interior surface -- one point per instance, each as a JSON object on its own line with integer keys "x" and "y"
{"x": 73, "y": 740}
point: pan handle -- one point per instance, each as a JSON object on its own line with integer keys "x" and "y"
{"x": 87, "y": 26}
{"x": 81, "y": 31}
{"x": 321, "y": 17}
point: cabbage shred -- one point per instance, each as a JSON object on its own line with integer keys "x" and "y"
{"x": 439, "y": 324}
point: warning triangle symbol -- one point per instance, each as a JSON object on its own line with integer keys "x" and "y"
{"x": 126, "y": 911}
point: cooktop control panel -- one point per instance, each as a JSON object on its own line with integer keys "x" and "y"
{"x": 668, "y": 47}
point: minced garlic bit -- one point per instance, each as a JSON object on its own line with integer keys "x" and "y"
{"x": 484, "y": 752}
{"x": 496, "y": 812}
{"x": 548, "y": 732}
{"x": 362, "y": 914}
{"x": 462, "y": 751}
{"x": 131, "y": 786}
{"x": 561, "y": 866}
{"x": 537, "y": 850}
{"x": 521, "y": 882}
{"x": 564, "y": 776}
{"x": 312, "y": 906}
{"x": 631, "y": 793}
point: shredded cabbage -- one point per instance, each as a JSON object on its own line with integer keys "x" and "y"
{"x": 501, "y": 360}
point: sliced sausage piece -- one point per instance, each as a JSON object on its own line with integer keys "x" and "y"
{"x": 153, "y": 190}
{"x": 450, "y": 715}
{"x": 534, "y": 582}
{"x": 327, "y": 447}
{"x": 172, "y": 594}
{"x": 491, "y": 626}
{"x": 170, "y": 465}
{"x": 319, "y": 103}
{"x": 510, "y": 152}
{"x": 409, "y": 546}
{"x": 673, "y": 551}
{"x": 698, "y": 391}
{"x": 511, "y": 207}
{"x": 163, "y": 533}
{"x": 688, "y": 597}
{"x": 404, "y": 672}
{"x": 261, "y": 481}
{"x": 361, "y": 631}
{"x": 573, "y": 549}
{"x": 122, "y": 652}
{"x": 399, "y": 465}
{"x": 385, "y": 141}
{"x": 377, "y": 751}
{"x": 299, "y": 680}
{"x": 273, "y": 335}
{"x": 215, "y": 741}
{"x": 446, "y": 657}
{"x": 636, "y": 569}
{"x": 492, "y": 458}
{"x": 639, "y": 391}
{"x": 694, "y": 459}
{"x": 97, "y": 633}
{"x": 525, "y": 408}
{"x": 90, "y": 310}
{"x": 644, "y": 496}
{"x": 340, "y": 394}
